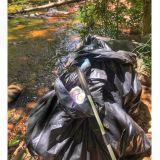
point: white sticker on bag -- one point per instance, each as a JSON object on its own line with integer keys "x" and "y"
{"x": 77, "y": 94}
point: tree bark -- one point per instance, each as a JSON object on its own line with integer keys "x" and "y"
{"x": 49, "y": 5}
{"x": 117, "y": 17}
{"x": 147, "y": 17}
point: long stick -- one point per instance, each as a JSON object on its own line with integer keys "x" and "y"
{"x": 86, "y": 88}
{"x": 49, "y": 5}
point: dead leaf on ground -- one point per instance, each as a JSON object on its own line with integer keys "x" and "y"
{"x": 31, "y": 105}
{"x": 42, "y": 91}
{"x": 10, "y": 126}
{"x": 15, "y": 114}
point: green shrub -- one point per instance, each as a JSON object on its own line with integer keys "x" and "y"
{"x": 106, "y": 17}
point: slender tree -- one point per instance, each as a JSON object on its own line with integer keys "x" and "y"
{"x": 146, "y": 17}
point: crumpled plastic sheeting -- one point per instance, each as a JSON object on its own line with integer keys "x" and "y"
{"x": 60, "y": 129}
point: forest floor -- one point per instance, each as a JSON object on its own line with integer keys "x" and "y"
{"x": 35, "y": 42}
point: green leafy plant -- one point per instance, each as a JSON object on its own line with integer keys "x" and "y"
{"x": 107, "y": 17}
{"x": 143, "y": 50}
{"x": 15, "y": 141}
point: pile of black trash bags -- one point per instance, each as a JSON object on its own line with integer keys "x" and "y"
{"x": 63, "y": 126}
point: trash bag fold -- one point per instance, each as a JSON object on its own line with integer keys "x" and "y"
{"x": 63, "y": 127}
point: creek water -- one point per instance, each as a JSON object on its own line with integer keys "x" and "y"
{"x": 34, "y": 45}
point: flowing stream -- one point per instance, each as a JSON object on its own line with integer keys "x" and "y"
{"x": 34, "y": 45}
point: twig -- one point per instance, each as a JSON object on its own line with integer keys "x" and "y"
{"x": 18, "y": 148}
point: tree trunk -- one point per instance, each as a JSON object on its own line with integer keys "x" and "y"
{"x": 147, "y": 17}
{"x": 117, "y": 18}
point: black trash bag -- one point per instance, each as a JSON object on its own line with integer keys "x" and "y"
{"x": 63, "y": 126}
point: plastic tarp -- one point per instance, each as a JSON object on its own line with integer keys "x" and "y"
{"x": 59, "y": 128}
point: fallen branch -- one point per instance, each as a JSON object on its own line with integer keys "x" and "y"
{"x": 19, "y": 147}
{"x": 20, "y": 155}
{"x": 54, "y": 4}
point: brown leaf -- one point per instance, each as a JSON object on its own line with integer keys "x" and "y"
{"x": 10, "y": 126}
{"x": 42, "y": 91}
{"x": 31, "y": 105}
